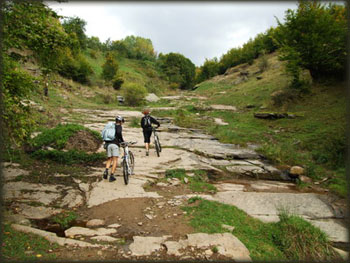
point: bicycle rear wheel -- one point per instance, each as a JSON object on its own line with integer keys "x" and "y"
{"x": 160, "y": 146}
{"x": 156, "y": 143}
{"x": 131, "y": 162}
{"x": 125, "y": 172}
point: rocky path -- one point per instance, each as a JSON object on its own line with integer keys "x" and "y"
{"x": 143, "y": 219}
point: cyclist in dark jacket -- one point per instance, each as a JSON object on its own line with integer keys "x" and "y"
{"x": 113, "y": 149}
{"x": 146, "y": 124}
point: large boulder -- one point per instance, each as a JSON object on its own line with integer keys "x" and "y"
{"x": 151, "y": 97}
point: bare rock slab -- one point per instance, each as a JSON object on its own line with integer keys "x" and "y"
{"x": 228, "y": 245}
{"x": 143, "y": 246}
{"x": 95, "y": 222}
{"x": 72, "y": 199}
{"x": 37, "y": 212}
{"x": 105, "y": 191}
{"x": 83, "y": 231}
{"x": 105, "y": 238}
{"x": 53, "y": 238}
{"x": 10, "y": 173}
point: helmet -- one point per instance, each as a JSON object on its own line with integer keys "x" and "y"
{"x": 119, "y": 119}
{"x": 146, "y": 111}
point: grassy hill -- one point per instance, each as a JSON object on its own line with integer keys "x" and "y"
{"x": 314, "y": 139}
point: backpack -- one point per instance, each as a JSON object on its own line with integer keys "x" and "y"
{"x": 147, "y": 121}
{"x": 108, "y": 132}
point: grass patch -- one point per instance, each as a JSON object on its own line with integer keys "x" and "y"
{"x": 300, "y": 240}
{"x": 176, "y": 173}
{"x": 68, "y": 157}
{"x": 58, "y": 136}
{"x": 21, "y": 247}
{"x": 135, "y": 122}
{"x": 64, "y": 219}
{"x": 196, "y": 183}
{"x": 265, "y": 241}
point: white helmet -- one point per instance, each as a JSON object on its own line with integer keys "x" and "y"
{"x": 119, "y": 119}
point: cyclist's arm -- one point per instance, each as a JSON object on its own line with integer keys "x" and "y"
{"x": 119, "y": 134}
{"x": 153, "y": 120}
{"x": 142, "y": 123}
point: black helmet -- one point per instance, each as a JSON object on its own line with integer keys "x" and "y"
{"x": 119, "y": 119}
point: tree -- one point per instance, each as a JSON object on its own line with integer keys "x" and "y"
{"x": 134, "y": 47}
{"x": 110, "y": 67}
{"x": 32, "y": 25}
{"x": 76, "y": 26}
{"x": 178, "y": 69}
{"x": 209, "y": 69}
{"x": 315, "y": 35}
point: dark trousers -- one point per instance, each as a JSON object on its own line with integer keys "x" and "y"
{"x": 147, "y": 135}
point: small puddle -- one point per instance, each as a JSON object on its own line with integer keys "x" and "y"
{"x": 48, "y": 225}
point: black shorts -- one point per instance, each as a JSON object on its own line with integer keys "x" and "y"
{"x": 147, "y": 135}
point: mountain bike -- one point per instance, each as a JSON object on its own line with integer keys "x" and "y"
{"x": 128, "y": 161}
{"x": 157, "y": 144}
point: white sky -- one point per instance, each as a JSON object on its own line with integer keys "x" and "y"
{"x": 196, "y": 30}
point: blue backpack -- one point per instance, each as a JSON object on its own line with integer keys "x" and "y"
{"x": 108, "y": 132}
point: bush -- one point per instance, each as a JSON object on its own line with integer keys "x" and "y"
{"x": 16, "y": 85}
{"x": 134, "y": 94}
{"x": 110, "y": 67}
{"x": 117, "y": 81}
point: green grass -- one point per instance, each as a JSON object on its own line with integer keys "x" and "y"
{"x": 15, "y": 246}
{"x": 65, "y": 218}
{"x": 315, "y": 139}
{"x": 68, "y": 157}
{"x": 290, "y": 239}
{"x": 197, "y": 183}
{"x": 58, "y": 136}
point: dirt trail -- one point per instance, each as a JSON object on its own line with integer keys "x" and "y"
{"x": 143, "y": 220}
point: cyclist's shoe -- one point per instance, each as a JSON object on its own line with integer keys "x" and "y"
{"x": 112, "y": 178}
{"x": 147, "y": 153}
{"x": 105, "y": 174}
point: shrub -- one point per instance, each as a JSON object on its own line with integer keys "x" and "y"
{"x": 134, "y": 94}
{"x": 263, "y": 62}
{"x": 110, "y": 67}
{"x": 117, "y": 81}
{"x": 16, "y": 85}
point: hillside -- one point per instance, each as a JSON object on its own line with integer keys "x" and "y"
{"x": 315, "y": 138}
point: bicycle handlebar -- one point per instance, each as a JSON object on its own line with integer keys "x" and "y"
{"x": 124, "y": 144}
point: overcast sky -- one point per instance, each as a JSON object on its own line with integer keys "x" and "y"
{"x": 196, "y": 30}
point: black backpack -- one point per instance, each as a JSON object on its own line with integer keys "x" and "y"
{"x": 147, "y": 121}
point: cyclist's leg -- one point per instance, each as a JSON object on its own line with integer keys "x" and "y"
{"x": 115, "y": 161}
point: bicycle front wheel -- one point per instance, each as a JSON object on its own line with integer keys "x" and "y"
{"x": 125, "y": 172}
{"x": 131, "y": 162}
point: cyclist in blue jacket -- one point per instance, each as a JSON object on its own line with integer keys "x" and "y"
{"x": 113, "y": 149}
{"x": 146, "y": 124}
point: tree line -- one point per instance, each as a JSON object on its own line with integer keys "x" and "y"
{"x": 312, "y": 37}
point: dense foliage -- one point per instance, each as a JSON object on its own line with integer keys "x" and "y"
{"x": 178, "y": 69}
{"x": 314, "y": 37}
{"x": 110, "y": 67}
{"x": 16, "y": 85}
{"x": 134, "y": 47}
{"x": 34, "y": 26}
{"x": 134, "y": 94}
